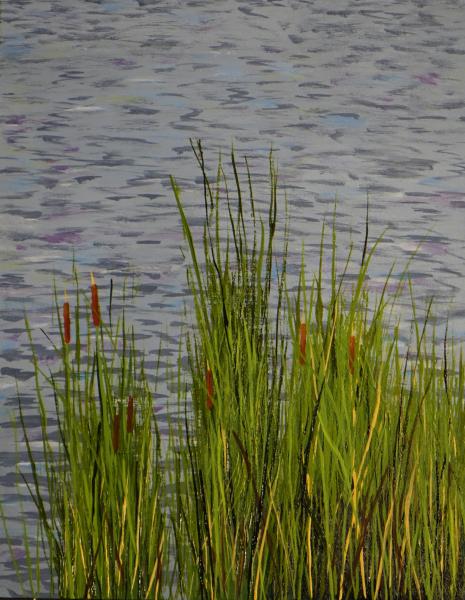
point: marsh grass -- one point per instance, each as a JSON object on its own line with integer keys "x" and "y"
{"x": 312, "y": 459}
{"x": 319, "y": 462}
{"x": 99, "y": 504}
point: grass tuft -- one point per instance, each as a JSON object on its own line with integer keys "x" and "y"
{"x": 313, "y": 457}
{"x": 100, "y": 506}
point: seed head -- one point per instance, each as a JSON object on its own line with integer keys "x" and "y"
{"x": 66, "y": 321}
{"x": 130, "y": 415}
{"x": 351, "y": 353}
{"x": 95, "y": 302}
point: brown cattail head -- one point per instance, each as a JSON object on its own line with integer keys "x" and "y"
{"x": 209, "y": 384}
{"x": 302, "y": 341}
{"x": 95, "y": 303}
{"x": 115, "y": 432}
{"x": 351, "y": 353}
{"x": 66, "y": 321}
{"x": 130, "y": 415}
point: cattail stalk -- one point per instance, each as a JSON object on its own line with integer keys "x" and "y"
{"x": 95, "y": 302}
{"x": 66, "y": 321}
{"x": 210, "y": 390}
{"x": 115, "y": 432}
{"x": 302, "y": 341}
{"x": 351, "y": 353}
{"x": 130, "y": 415}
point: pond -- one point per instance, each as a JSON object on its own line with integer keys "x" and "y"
{"x": 99, "y": 100}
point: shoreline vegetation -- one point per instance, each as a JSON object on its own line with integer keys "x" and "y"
{"x": 310, "y": 456}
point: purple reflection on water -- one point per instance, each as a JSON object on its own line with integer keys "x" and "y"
{"x": 122, "y": 62}
{"x": 62, "y": 237}
{"x": 434, "y": 248}
{"x": 15, "y": 120}
{"x": 428, "y": 78}
{"x": 19, "y": 553}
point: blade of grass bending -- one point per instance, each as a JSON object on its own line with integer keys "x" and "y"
{"x": 111, "y": 302}
{"x": 231, "y": 219}
{"x": 248, "y": 467}
{"x": 445, "y": 370}
{"x": 216, "y": 260}
{"x": 190, "y": 241}
{"x": 335, "y": 450}
{"x": 249, "y": 180}
{"x": 240, "y": 216}
{"x": 115, "y": 548}
{"x": 365, "y": 243}
{"x": 60, "y": 428}
{"x": 319, "y": 297}
{"x": 333, "y": 254}
{"x": 304, "y": 467}
{"x": 156, "y": 570}
{"x": 206, "y": 183}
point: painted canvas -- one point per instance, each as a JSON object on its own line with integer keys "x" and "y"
{"x": 124, "y": 125}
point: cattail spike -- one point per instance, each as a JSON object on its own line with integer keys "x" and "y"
{"x": 95, "y": 302}
{"x": 66, "y": 321}
{"x": 115, "y": 432}
{"x": 130, "y": 415}
{"x": 351, "y": 353}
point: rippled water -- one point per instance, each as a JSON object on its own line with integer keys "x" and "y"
{"x": 99, "y": 100}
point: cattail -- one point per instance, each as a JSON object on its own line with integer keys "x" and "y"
{"x": 95, "y": 304}
{"x": 209, "y": 383}
{"x": 351, "y": 353}
{"x": 303, "y": 341}
{"x": 130, "y": 415}
{"x": 66, "y": 321}
{"x": 115, "y": 433}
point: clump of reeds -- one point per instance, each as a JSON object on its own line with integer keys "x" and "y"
{"x": 313, "y": 460}
{"x": 228, "y": 461}
{"x": 104, "y": 531}
{"x": 327, "y": 467}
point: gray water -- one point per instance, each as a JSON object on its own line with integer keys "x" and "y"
{"x": 99, "y": 100}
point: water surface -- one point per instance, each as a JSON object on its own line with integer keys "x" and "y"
{"x": 99, "y": 100}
